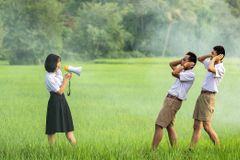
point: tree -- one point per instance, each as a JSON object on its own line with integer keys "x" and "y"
{"x": 178, "y": 11}
{"x": 99, "y": 30}
{"x": 234, "y": 7}
{"x": 142, "y": 22}
{"x": 34, "y": 29}
{"x": 3, "y": 51}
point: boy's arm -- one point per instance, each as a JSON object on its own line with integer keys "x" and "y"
{"x": 174, "y": 64}
{"x": 211, "y": 67}
{"x": 176, "y": 71}
{"x": 202, "y": 58}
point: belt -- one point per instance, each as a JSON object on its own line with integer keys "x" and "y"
{"x": 207, "y": 92}
{"x": 173, "y": 97}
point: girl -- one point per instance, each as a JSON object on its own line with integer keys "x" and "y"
{"x": 59, "y": 117}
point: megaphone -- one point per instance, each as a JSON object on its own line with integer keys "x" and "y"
{"x": 76, "y": 70}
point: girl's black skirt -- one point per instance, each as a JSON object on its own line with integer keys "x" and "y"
{"x": 59, "y": 118}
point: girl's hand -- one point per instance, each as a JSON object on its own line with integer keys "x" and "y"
{"x": 68, "y": 76}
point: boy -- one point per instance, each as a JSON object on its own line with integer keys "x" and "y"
{"x": 205, "y": 104}
{"x": 183, "y": 71}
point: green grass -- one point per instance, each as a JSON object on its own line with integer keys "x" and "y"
{"x": 114, "y": 107}
{"x": 145, "y": 60}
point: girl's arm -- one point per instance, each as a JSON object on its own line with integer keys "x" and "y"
{"x": 66, "y": 78}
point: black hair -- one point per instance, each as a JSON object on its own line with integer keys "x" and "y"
{"x": 51, "y": 62}
{"x": 219, "y": 50}
{"x": 192, "y": 57}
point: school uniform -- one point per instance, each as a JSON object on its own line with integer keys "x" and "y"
{"x": 205, "y": 104}
{"x": 173, "y": 101}
{"x": 59, "y": 118}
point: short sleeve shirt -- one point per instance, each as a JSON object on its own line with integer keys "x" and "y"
{"x": 212, "y": 80}
{"x": 182, "y": 85}
{"x": 53, "y": 80}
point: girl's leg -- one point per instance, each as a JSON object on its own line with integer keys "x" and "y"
{"x": 71, "y": 138}
{"x": 51, "y": 138}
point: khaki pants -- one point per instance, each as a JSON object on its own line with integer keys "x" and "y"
{"x": 204, "y": 107}
{"x": 167, "y": 114}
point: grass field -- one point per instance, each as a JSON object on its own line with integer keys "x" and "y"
{"x": 114, "y": 107}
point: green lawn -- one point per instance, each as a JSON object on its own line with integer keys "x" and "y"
{"x": 114, "y": 107}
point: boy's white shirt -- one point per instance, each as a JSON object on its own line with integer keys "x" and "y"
{"x": 182, "y": 84}
{"x": 212, "y": 80}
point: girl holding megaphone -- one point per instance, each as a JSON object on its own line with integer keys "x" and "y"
{"x": 59, "y": 118}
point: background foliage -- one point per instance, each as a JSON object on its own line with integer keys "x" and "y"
{"x": 89, "y": 29}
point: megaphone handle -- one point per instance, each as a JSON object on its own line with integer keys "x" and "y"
{"x": 69, "y": 89}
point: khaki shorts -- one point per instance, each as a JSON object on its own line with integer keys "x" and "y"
{"x": 204, "y": 107}
{"x": 167, "y": 114}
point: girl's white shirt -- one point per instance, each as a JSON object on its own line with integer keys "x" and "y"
{"x": 53, "y": 80}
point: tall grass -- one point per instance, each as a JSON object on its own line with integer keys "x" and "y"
{"x": 114, "y": 107}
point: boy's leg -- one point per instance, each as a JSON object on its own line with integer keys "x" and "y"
{"x": 71, "y": 138}
{"x": 212, "y": 134}
{"x": 157, "y": 136}
{"x": 196, "y": 133}
{"x": 51, "y": 138}
{"x": 172, "y": 135}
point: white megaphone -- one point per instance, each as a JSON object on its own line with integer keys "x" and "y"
{"x": 76, "y": 70}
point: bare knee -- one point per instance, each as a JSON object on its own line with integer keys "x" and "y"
{"x": 207, "y": 127}
{"x": 197, "y": 126}
{"x": 51, "y": 136}
{"x": 170, "y": 128}
{"x": 158, "y": 127}
{"x": 70, "y": 137}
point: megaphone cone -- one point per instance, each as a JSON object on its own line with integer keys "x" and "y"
{"x": 76, "y": 70}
